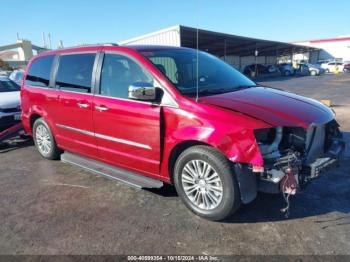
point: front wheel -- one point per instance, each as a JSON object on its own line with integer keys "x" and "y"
{"x": 44, "y": 140}
{"x": 205, "y": 181}
{"x": 313, "y": 73}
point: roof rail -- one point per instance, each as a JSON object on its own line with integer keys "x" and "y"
{"x": 87, "y": 45}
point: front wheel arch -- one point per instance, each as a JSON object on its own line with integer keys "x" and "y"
{"x": 176, "y": 152}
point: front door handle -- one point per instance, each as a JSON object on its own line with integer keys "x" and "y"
{"x": 101, "y": 108}
{"x": 83, "y": 105}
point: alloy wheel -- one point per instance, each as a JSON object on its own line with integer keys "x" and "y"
{"x": 202, "y": 184}
{"x": 43, "y": 139}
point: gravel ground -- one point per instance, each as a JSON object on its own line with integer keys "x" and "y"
{"x": 48, "y": 207}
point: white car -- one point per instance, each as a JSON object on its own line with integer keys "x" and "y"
{"x": 17, "y": 76}
{"x": 10, "y": 110}
{"x": 333, "y": 67}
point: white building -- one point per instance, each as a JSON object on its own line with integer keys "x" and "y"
{"x": 333, "y": 48}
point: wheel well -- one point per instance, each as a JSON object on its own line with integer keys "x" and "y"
{"x": 33, "y": 118}
{"x": 177, "y": 150}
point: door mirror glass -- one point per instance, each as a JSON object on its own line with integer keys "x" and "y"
{"x": 144, "y": 92}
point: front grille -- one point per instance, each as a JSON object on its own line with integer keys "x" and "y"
{"x": 315, "y": 142}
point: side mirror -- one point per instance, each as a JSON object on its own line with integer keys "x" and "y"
{"x": 145, "y": 92}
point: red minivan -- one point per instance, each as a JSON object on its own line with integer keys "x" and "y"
{"x": 146, "y": 115}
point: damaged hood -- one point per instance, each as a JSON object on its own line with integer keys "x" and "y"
{"x": 278, "y": 108}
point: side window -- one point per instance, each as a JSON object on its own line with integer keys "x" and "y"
{"x": 75, "y": 72}
{"x": 118, "y": 73}
{"x": 39, "y": 72}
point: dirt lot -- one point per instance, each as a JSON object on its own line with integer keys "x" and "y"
{"x": 47, "y": 207}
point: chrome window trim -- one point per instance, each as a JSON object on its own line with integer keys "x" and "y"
{"x": 39, "y": 87}
{"x": 109, "y": 138}
{"x": 73, "y": 92}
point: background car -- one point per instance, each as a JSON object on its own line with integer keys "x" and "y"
{"x": 346, "y": 66}
{"x": 286, "y": 69}
{"x": 314, "y": 69}
{"x": 333, "y": 67}
{"x": 10, "y": 111}
{"x": 249, "y": 70}
{"x": 17, "y": 76}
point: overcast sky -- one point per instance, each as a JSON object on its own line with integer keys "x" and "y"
{"x": 76, "y": 22}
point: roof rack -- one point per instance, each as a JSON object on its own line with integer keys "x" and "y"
{"x": 86, "y": 45}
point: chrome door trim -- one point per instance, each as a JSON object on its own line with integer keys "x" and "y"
{"x": 123, "y": 141}
{"x": 81, "y": 131}
{"x": 109, "y": 138}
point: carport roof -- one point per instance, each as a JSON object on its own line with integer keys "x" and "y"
{"x": 216, "y": 43}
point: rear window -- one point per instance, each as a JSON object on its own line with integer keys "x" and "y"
{"x": 39, "y": 72}
{"x": 75, "y": 72}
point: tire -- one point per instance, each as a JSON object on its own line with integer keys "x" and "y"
{"x": 327, "y": 70}
{"x": 209, "y": 204}
{"x": 287, "y": 73}
{"x": 44, "y": 141}
{"x": 313, "y": 73}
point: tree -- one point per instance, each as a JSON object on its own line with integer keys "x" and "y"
{"x": 4, "y": 65}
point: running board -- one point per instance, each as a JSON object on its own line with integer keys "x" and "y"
{"x": 111, "y": 172}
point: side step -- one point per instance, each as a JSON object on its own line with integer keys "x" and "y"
{"x": 108, "y": 171}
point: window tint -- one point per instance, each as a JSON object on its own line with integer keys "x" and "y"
{"x": 167, "y": 66}
{"x": 75, "y": 72}
{"x": 39, "y": 72}
{"x": 118, "y": 73}
{"x": 212, "y": 77}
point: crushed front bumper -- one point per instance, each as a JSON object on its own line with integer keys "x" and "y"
{"x": 272, "y": 180}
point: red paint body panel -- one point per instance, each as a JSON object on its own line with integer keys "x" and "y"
{"x": 68, "y": 113}
{"x": 131, "y": 121}
{"x": 225, "y": 121}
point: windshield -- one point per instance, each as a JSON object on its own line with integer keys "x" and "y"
{"x": 214, "y": 76}
{"x": 8, "y": 86}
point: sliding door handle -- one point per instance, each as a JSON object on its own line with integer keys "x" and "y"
{"x": 101, "y": 108}
{"x": 83, "y": 105}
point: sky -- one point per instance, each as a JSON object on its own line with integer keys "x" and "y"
{"x": 91, "y": 21}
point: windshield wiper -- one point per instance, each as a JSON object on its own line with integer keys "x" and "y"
{"x": 240, "y": 87}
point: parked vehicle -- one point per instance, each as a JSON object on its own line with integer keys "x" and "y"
{"x": 333, "y": 67}
{"x": 10, "y": 111}
{"x": 313, "y": 69}
{"x": 346, "y": 66}
{"x": 286, "y": 69}
{"x": 260, "y": 69}
{"x": 17, "y": 76}
{"x": 141, "y": 114}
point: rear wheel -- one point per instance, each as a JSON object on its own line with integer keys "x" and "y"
{"x": 313, "y": 73}
{"x": 44, "y": 140}
{"x": 206, "y": 183}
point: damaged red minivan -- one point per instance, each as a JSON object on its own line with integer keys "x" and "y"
{"x": 146, "y": 115}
